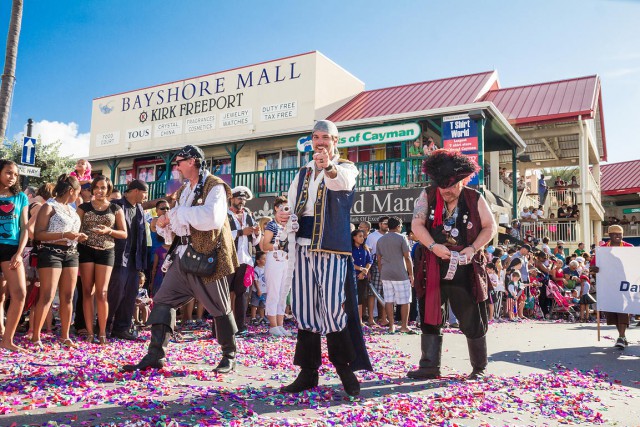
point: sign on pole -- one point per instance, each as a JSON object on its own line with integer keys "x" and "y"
{"x": 618, "y": 279}
{"x": 28, "y": 151}
{"x": 29, "y": 170}
{"x": 460, "y": 133}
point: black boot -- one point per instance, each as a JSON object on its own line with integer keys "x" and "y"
{"x": 309, "y": 357}
{"x": 477, "y": 357}
{"x": 341, "y": 354}
{"x": 225, "y": 333}
{"x": 429, "y": 365}
{"x": 162, "y": 319}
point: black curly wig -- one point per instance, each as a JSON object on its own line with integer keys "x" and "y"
{"x": 445, "y": 167}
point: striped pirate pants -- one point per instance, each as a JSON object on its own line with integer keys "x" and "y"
{"x": 317, "y": 293}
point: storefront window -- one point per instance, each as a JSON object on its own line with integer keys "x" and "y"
{"x": 146, "y": 173}
{"x": 285, "y": 159}
{"x": 126, "y": 176}
{"x": 222, "y": 168}
{"x": 268, "y": 161}
{"x": 161, "y": 172}
{"x": 290, "y": 159}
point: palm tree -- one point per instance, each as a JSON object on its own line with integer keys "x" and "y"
{"x": 11, "y": 57}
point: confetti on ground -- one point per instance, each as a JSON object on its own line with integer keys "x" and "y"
{"x": 186, "y": 393}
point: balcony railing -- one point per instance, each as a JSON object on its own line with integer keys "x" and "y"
{"x": 267, "y": 182}
{"x": 157, "y": 189}
{"x": 567, "y": 231}
{"x": 374, "y": 175}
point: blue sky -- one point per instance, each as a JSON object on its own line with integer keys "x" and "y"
{"x": 73, "y": 51}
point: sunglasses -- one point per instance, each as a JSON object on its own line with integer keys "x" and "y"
{"x": 182, "y": 160}
{"x": 163, "y": 209}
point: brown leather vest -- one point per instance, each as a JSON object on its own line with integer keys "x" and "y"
{"x": 204, "y": 241}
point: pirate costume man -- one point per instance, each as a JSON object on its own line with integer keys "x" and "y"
{"x": 324, "y": 296}
{"x": 453, "y": 222}
{"x": 241, "y": 218}
{"x": 198, "y": 227}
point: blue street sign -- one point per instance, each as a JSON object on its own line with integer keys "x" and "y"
{"x": 28, "y": 151}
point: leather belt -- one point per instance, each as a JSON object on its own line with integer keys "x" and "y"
{"x": 454, "y": 262}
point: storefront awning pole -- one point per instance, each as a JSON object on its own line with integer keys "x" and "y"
{"x": 113, "y": 165}
{"x": 233, "y": 152}
{"x": 168, "y": 158}
{"x": 514, "y": 186}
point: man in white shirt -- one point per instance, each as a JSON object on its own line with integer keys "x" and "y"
{"x": 199, "y": 223}
{"x": 246, "y": 234}
{"x": 323, "y": 293}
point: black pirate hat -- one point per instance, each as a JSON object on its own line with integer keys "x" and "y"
{"x": 446, "y": 168}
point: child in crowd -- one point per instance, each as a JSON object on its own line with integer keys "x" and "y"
{"x": 585, "y": 298}
{"x": 493, "y": 284}
{"x": 82, "y": 171}
{"x": 276, "y": 244}
{"x": 514, "y": 293}
{"x": 258, "y": 289}
{"x": 143, "y": 302}
{"x": 362, "y": 261}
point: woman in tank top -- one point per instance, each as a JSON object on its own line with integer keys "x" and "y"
{"x": 102, "y": 222}
{"x": 57, "y": 229}
{"x": 13, "y": 240}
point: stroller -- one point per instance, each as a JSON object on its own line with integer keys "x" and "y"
{"x": 561, "y": 306}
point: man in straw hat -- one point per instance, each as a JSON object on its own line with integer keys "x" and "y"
{"x": 453, "y": 222}
{"x": 620, "y": 320}
{"x": 199, "y": 229}
{"x": 321, "y": 271}
{"x": 246, "y": 234}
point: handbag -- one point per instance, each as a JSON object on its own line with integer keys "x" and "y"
{"x": 202, "y": 265}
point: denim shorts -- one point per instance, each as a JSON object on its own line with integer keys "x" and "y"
{"x": 57, "y": 256}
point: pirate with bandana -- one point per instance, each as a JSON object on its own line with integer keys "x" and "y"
{"x": 453, "y": 222}
{"x": 323, "y": 296}
{"x": 197, "y": 224}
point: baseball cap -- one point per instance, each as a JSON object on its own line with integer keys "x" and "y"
{"x": 137, "y": 184}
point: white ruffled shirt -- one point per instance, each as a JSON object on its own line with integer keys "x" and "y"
{"x": 345, "y": 180}
{"x": 208, "y": 216}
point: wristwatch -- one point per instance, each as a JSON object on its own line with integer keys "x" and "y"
{"x": 430, "y": 247}
{"x": 330, "y": 167}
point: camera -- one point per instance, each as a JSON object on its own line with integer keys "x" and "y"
{"x": 286, "y": 208}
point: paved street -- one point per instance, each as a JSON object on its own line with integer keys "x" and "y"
{"x": 541, "y": 374}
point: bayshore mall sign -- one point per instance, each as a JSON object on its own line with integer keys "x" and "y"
{"x": 253, "y": 101}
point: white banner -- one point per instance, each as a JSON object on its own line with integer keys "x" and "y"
{"x": 618, "y": 279}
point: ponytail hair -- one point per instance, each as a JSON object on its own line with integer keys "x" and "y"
{"x": 15, "y": 188}
{"x": 64, "y": 183}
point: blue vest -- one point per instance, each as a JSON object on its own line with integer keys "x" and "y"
{"x": 332, "y": 215}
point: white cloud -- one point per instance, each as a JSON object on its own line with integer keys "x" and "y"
{"x": 74, "y": 144}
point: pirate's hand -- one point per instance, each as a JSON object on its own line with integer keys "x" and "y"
{"x": 468, "y": 252}
{"x": 322, "y": 158}
{"x": 441, "y": 251}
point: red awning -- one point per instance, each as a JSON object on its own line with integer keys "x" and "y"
{"x": 620, "y": 178}
{"x": 552, "y": 101}
{"x": 422, "y": 96}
